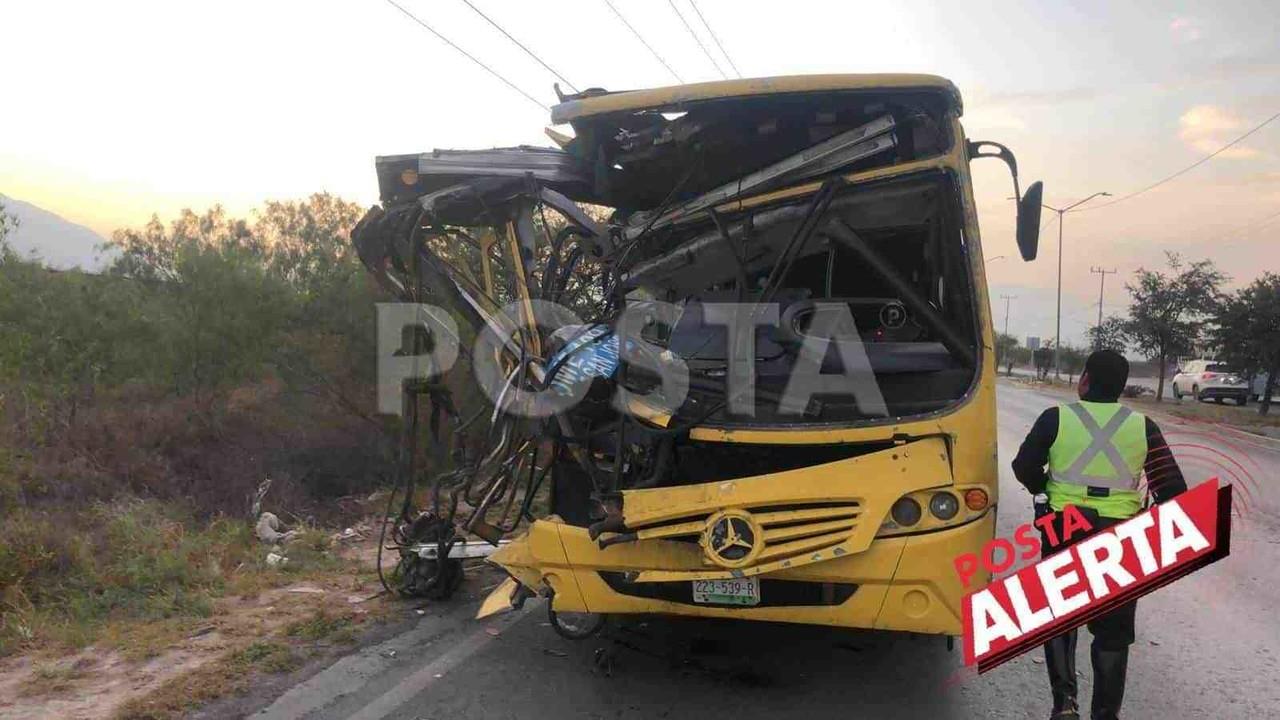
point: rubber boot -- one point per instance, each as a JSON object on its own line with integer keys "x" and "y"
{"x": 1109, "y": 668}
{"x": 1060, "y": 660}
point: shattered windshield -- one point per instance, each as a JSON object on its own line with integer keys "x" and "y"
{"x": 860, "y": 290}
{"x": 728, "y": 263}
{"x": 887, "y": 258}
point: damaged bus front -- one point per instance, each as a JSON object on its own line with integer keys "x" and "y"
{"x": 737, "y": 334}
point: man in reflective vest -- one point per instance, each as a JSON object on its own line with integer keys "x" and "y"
{"x": 1092, "y": 454}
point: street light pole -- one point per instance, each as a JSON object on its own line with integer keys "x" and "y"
{"x": 1057, "y": 328}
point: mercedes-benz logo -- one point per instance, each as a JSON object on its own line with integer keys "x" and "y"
{"x": 731, "y": 538}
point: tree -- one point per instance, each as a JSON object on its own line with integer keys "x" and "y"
{"x": 155, "y": 253}
{"x": 309, "y": 248}
{"x": 61, "y": 334}
{"x": 1043, "y": 357}
{"x": 1110, "y": 335}
{"x": 1005, "y": 347}
{"x": 1021, "y": 357}
{"x": 222, "y": 312}
{"x": 1166, "y": 309}
{"x": 284, "y": 290}
{"x": 8, "y": 224}
{"x": 1072, "y": 359}
{"x": 307, "y": 242}
{"x": 1248, "y": 331}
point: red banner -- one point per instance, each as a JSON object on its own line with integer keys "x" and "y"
{"x": 1095, "y": 575}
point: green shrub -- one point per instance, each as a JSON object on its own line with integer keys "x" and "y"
{"x": 68, "y": 573}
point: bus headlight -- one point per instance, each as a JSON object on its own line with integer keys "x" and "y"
{"x": 905, "y": 512}
{"x": 949, "y": 507}
{"x": 944, "y": 505}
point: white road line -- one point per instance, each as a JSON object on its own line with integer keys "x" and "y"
{"x": 437, "y": 669}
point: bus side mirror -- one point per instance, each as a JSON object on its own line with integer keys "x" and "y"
{"x": 1028, "y": 234}
{"x": 1028, "y": 222}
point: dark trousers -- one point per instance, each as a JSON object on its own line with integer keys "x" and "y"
{"x": 1113, "y": 633}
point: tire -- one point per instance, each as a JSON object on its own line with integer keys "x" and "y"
{"x": 419, "y": 577}
{"x": 1218, "y": 399}
{"x": 575, "y": 626}
{"x": 1176, "y": 395}
{"x": 1195, "y": 393}
{"x": 1242, "y": 400}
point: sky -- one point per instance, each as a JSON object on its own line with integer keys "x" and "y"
{"x": 114, "y": 111}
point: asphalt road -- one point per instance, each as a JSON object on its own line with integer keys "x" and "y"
{"x": 1207, "y": 645}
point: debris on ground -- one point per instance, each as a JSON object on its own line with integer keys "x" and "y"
{"x": 268, "y": 530}
{"x": 349, "y": 534}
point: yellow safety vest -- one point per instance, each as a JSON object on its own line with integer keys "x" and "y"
{"x": 1099, "y": 445}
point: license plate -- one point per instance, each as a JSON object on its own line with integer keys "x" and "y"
{"x": 735, "y": 591}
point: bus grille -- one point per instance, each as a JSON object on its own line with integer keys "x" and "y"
{"x": 787, "y": 531}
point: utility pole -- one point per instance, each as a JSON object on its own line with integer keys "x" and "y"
{"x": 1006, "y": 299}
{"x": 1057, "y": 327}
{"x": 1102, "y": 281}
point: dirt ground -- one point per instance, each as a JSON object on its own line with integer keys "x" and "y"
{"x": 272, "y": 630}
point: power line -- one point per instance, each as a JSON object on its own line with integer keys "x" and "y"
{"x": 1184, "y": 170}
{"x": 520, "y": 45}
{"x": 1246, "y": 230}
{"x": 696, "y": 39}
{"x": 712, "y": 33}
{"x": 469, "y": 56}
{"x": 639, "y": 37}
{"x": 1243, "y": 231}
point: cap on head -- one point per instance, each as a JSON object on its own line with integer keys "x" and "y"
{"x": 1108, "y": 372}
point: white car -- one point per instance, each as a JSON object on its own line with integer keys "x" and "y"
{"x": 1210, "y": 379}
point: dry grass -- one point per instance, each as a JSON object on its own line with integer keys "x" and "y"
{"x": 235, "y": 672}
{"x": 55, "y": 677}
{"x": 135, "y": 576}
{"x": 324, "y": 624}
{"x": 125, "y": 531}
{"x": 232, "y": 674}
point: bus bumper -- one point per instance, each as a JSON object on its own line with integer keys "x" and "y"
{"x": 905, "y": 583}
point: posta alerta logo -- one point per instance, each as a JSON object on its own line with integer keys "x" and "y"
{"x": 1089, "y": 578}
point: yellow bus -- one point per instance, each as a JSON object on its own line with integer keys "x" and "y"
{"x": 841, "y": 505}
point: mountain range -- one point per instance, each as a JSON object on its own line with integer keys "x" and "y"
{"x": 56, "y": 241}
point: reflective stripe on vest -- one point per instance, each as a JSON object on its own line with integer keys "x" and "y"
{"x": 1098, "y": 445}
